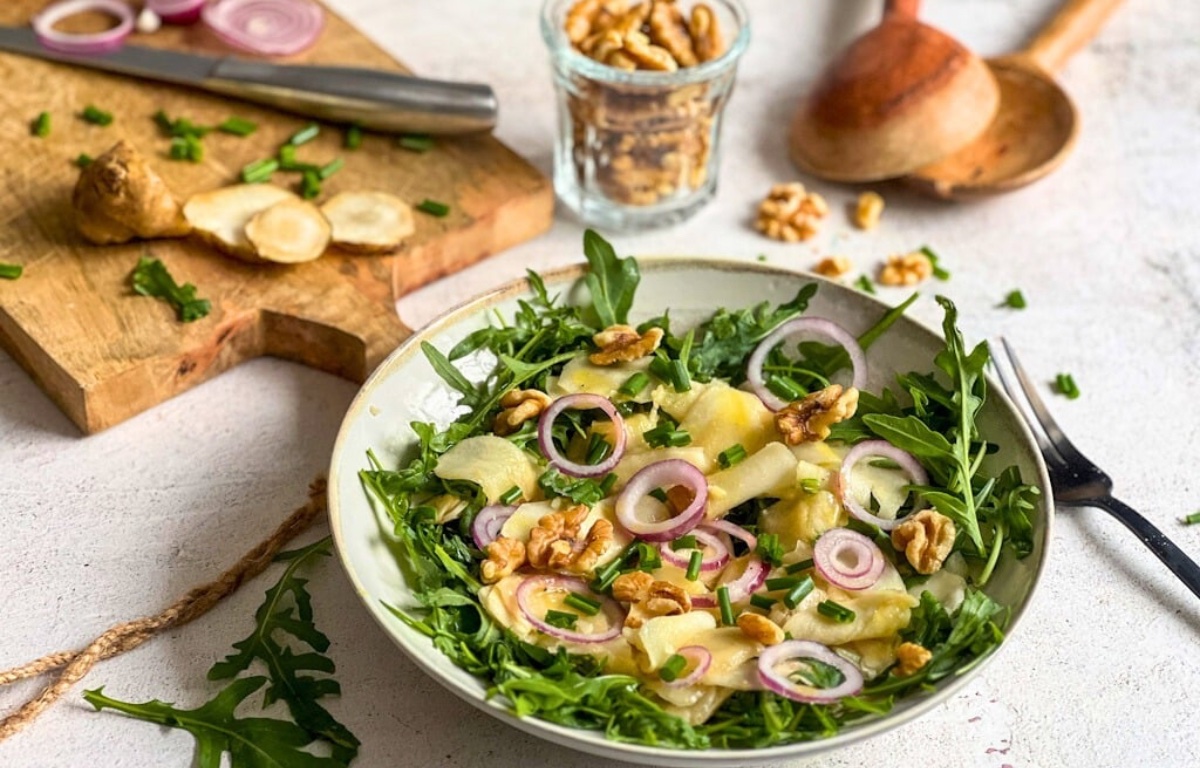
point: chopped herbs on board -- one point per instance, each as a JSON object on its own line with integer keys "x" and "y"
{"x": 151, "y": 278}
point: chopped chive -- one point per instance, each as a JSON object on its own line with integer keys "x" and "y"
{"x": 648, "y": 557}
{"x": 810, "y": 485}
{"x": 782, "y": 582}
{"x": 803, "y": 565}
{"x": 1064, "y": 384}
{"x": 561, "y": 619}
{"x": 664, "y": 435}
{"x": 694, "y": 563}
{"x": 187, "y": 147}
{"x": 354, "y": 137}
{"x": 785, "y": 387}
{"x": 769, "y": 548}
{"x": 731, "y": 455}
{"x": 761, "y": 257}
{"x": 606, "y": 485}
{"x": 679, "y": 377}
{"x": 597, "y": 450}
{"x": 10, "y": 271}
{"x": 310, "y": 185}
{"x": 938, "y": 271}
{"x": 415, "y": 142}
{"x": 672, "y": 667}
{"x": 1014, "y": 300}
{"x": 40, "y": 126}
{"x": 634, "y": 384}
{"x": 287, "y": 156}
{"x": 304, "y": 135}
{"x": 766, "y": 602}
{"x": 96, "y": 116}
{"x": 584, "y": 605}
{"x": 799, "y": 592}
{"x": 684, "y": 542}
{"x": 608, "y": 573}
{"x": 509, "y": 497}
{"x": 259, "y": 171}
{"x": 839, "y": 613}
{"x": 179, "y": 149}
{"x": 163, "y": 122}
{"x": 433, "y": 208}
{"x": 84, "y": 160}
{"x": 864, "y": 284}
{"x": 1191, "y": 519}
{"x": 238, "y": 126}
{"x": 659, "y": 494}
{"x": 723, "y": 600}
{"x": 331, "y": 168}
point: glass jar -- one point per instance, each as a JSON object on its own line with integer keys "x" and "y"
{"x": 639, "y": 148}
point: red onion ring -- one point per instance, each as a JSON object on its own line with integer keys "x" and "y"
{"x": 718, "y": 559}
{"x": 883, "y": 449}
{"x": 837, "y": 542}
{"x": 700, "y": 657}
{"x": 817, "y": 326}
{"x": 176, "y": 11}
{"x": 265, "y": 27}
{"x": 663, "y": 474}
{"x": 741, "y": 588}
{"x": 806, "y": 649}
{"x": 87, "y": 44}
{"x": 488, "y": 522}
{"x": 616, "y": 617}
{"x": 582, "y": 401}
{"x": 736, "y": 531}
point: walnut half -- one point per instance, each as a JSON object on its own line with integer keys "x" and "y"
{"x": 925, "y": 538}
{"x": 808, "y": 420}
{"x": 622, "y": 343}
{"x": 519, "y": 406}
{"x": 555, "y": 542}
{"x": 790, "y": 213}
{"x": 503, "y": 557}
{"x": 906, "y": 269}
{"x": 760, "y": 629}
{"x": 911, "y": 658}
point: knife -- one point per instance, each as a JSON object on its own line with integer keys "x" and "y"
{"x": 371, "y": 98}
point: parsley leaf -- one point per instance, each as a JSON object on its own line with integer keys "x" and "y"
{"x": 151, "y": 278}
{"x": 612, "y": 281}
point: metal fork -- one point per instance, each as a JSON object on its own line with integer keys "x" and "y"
{"x": 1078, "y": 482}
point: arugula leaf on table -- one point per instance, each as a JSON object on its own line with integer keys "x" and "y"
{"x": 151, "y": 278}
{"x": 612, "y": 281}
{"x": 251, "y": 742}
{"x": 287, "y": 669}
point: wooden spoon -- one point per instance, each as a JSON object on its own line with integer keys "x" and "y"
{"x": 900, "y": 97}
{"x": 1035, "y": 127}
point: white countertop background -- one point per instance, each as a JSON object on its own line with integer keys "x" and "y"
{"x": 1102, "y": 672}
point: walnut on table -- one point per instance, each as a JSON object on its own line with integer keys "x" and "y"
{"x": 926, "y": 539}
{"x": 867, "y": 210}
{"x": 809, "y": 419}
{"x": 833, "y": 266}
{"x": 906, "y": 269}
{"x": 791, "y": 213}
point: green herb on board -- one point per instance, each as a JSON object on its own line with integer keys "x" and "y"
{"x": 151, "y": 278}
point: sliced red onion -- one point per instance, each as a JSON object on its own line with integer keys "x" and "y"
{"x": 699, "y": 659}
{"x": 86, "y": 44}
{"x": 736, "y": 531}
{"x": 176, "y": 11}
{"x": 809, "y": 326}
{"x": 265, "y": 27}
{"x": 741, "y": 588}
{"x": 612, "y": 610}
{"x": 716, "y": 551}
{"x": 580, "y": 402}
{"x": 847, "y": 559}
{"x": 488, "y": 522}
{"x": 799, "y": 650}
{"x": 663, "y": 474}
{"x": 882, "y": 449}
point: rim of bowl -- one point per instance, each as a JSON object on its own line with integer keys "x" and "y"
{"x": 592, "y": 742}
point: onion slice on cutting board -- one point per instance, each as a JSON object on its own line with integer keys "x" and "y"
{"x": 368, "y": 222}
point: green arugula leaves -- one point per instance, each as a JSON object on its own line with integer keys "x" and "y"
{"x": 612, "y": 281}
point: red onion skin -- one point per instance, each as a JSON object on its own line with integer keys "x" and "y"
{"x": 828, "y": 566}
{"x": 707, "y": 564}
{"x": 741, "y": 588}
{"x": 818, "y": 326}
{"x": 730, "y": 529}
{"x": 180, "y": 12}
{"x": 612, "y": 610}
{"x": 482, "y": 526}
{"x": 807, "y": 649}
{"x": 83, "y": 44}
{"x": 703, "y": 658}
{"x": 580, "y": 401}
{"x": 884, "y": 449}
{"x": 662, "y": 473}
{"x": 228, "y": 21}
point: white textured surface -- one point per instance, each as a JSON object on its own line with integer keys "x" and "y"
{"x": 102, "y": 529}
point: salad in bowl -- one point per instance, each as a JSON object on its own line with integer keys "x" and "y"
{"x": 728, "y": 531}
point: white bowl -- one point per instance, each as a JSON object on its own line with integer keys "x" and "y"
{"x": 405, "y": 388}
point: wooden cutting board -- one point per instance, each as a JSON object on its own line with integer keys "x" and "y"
{"x": 103, "y": 353}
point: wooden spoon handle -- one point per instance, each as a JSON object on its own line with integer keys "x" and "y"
{"x": 1075, "y": 24}
{"x": 901, "y": 8}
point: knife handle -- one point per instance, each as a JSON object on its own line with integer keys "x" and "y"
{"x": 373, "y": 99}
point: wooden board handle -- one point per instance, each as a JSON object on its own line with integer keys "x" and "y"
{"x": 908, "y": 8}
{"x": 1075, "y": 24}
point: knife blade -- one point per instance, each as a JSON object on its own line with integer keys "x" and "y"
{"x": 372, "y": 98}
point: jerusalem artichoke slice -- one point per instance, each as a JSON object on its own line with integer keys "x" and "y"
{"x": 368, "y": 222}
{"x": 289, "y": 232}
{"x": 119, "y": 197}
{"x": 219, "y": 217}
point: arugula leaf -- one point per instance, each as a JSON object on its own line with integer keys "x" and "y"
{"x": 908, "y": 433}
{"x": 449, "y": 372}
{"x": 151, "y": 278}
{"x": 581, "y": 490}
{"x": 612, "y": 281}
{"x": 286, "y": 668}
{"x": 252, "y": 742}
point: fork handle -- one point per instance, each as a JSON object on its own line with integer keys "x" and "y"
{"x": 1172, "y": 556}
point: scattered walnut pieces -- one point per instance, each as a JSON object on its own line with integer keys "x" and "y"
{"x": 504, "y": 556}
{"x": 790, "y": 213}
{"x": 555, "y": 542}
{"x": 519, "y": 406}
{"x": 926, "y": 539}
{"x": 906, "y": 269}
{"x": 808, "y": 420}
{"x": 649, "y": 598}
{"x": 760, "y": 629}
{"x": 621, "y": 343}
{"x": 833, "y": 266}
{"x": 868, "y": 210}
{"x": 631, "y": 587}
{"x": 911, "y": 658}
